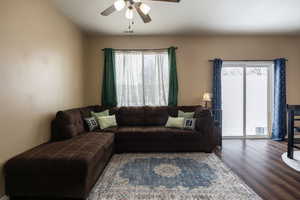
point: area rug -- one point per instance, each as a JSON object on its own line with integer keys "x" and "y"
{"x": 186, "y": 176}
{"x": 293, "y": 163}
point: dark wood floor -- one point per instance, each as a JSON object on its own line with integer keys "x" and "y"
{"x": 259, "y": 164}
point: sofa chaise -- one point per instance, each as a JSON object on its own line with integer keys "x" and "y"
{"x": 69, "y": 164}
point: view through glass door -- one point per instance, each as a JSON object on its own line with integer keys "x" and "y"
{"x": 246, "y": 92}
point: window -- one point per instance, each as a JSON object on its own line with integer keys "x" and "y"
{"x": 142, "y": 78}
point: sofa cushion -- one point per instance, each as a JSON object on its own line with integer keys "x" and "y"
{"x": 156, "y": 116}
{"x": 110, "y": 129}
{"x": 155, "y": 132}
{"x": 131, "y": 116}
{"x": 76, "y": 156}
{"x": 189, "y": 108}
{"x": 198, "y": 112}
{"x": 158, "y": 139}
{"x": 69, "y": 123}
{"x": 103, "y": 138}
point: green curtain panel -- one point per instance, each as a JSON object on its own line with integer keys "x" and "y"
{"x": 173, "y": 85}
{"x": 109, "y": 93}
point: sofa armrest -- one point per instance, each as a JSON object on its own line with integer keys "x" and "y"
{"x": 204, "y": 121}
{"x": 217, "y": 124}
{"x": 206, "y": 126}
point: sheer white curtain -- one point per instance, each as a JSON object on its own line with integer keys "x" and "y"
{"x": 142, "y": 78}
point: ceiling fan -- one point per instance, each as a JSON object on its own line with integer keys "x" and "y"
{"x": 141, "y": 8}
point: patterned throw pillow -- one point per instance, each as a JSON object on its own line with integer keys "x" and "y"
{"x": 186, "y": 114}
{"x": 189, "y": 123}
{"x": 92, "y": 123}
{"x": 175, "y": 122}
{"x": 107, "y": 121}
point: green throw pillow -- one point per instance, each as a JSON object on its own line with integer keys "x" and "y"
{"x": 100, "y": 114}
{"x": 107, "y": 121}
{"x": 175, "y": 122}
{"x": 185, "y": 114}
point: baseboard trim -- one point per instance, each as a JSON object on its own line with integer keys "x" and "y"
{"x": 4, "y": 198}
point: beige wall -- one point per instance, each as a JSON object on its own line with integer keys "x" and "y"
{"x": 194, "y": 70}
{"x": 40, "y": 73}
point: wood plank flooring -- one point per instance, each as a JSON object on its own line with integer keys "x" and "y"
{"x": 259, "y": 164}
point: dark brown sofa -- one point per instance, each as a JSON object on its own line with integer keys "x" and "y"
{"x": 69, "y": 165}
{"x": 142, "y": 130}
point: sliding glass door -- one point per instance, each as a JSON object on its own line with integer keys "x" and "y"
{"x": 246, "y": 92}
{"x": 256, "y": 101}
{"x": 232, "y": 100}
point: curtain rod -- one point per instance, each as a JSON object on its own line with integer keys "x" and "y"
{"x": 141, "y": 49}
{"x": 247, "y": 60}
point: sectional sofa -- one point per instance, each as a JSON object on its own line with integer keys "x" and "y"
{"x": 69, "y": 164}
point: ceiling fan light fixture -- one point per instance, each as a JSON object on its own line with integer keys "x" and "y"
{"x": 133, "y": 5}
{"x": 145, "y": 8}
{"x": 129, "y": 13}
{"x": 119, "y": 4}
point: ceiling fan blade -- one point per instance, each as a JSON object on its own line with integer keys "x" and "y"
{"x": 145, "y": 18}
{"x": 172, "y": 1}
{"x": 109, "y": 11}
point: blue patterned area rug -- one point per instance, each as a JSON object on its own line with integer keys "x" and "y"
{"x": 184, "y": 176}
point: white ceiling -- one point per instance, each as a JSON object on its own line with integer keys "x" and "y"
{"x": 190, "y": 17}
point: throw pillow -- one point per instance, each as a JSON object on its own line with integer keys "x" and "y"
{"x": 185, "y": 114}
{"x": 100, "y": 114}
{"x": 107, "y": 121}
{"x": 175, "y": 122}
{"x": 189, "y": 123}
{"x": 92, "y": 123}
